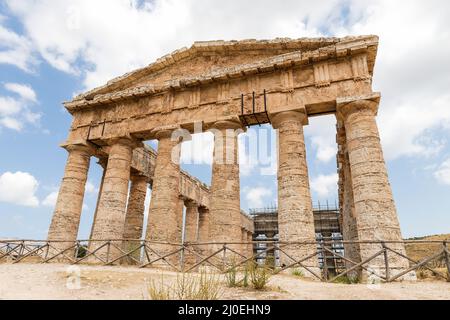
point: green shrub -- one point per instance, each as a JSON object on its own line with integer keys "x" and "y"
{"x": 259, "y": 276}
{"x": 298, "y": 273}
{"x": 346, "y": 280}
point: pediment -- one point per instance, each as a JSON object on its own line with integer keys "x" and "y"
{"x": 207, "y": 56}
{"x": 211, "y": 58}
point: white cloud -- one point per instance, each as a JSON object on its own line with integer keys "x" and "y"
{"x": 50, "y": 200}
{"x": 9, "y": 106}
{"x": 15, "y": 49}
{"x": 322, "y": 132}
{"x": 325, "y": 185}
{"x": 199, "y": 150}
{"x": 11, "y": 123}
{"x": 23, "y": 90}
{"x": 443, "y": 173}
{"x": 16, "y": 112}
{"x": 257, "y": 197}
{"x": 409, "y": 130}
{"x": 19, "y": 188}
{"x": 128, "y": 34}
{"x": 412, "y": 69}
{"x": 90, "y": 188}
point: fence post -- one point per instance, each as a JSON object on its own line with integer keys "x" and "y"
{"x": 77, "y": 250}
{"x": 47, "y": 250}
{"x": 22, "y": 247}
{"x": 447, "y": 260}
{"x": 386, "y": 261}
{"x": 224, "y": 257}
{"x": 182, "y": 258}
{"x": 108, "y": 249}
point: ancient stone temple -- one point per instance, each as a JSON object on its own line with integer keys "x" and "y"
{"x": 224, "y": 87}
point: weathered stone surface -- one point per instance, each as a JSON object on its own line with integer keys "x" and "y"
{"x": 164, "y": 215}
{"x": 134, "y": 219}
{"x": 225, "y": 224}
{"x": 100, "y": 191}
{"x": 66, "y": 217}
{"x": 203, "y": 225}
{"x": 295, "y": 214}
{"x": 191, "y": 230}
{"x": 349, "y": 226}
{"x": 135, "y": 210}
{"x": 110, "y": 220}
{"x": 136, "y": 104}
{"x": 204, "y": 84}
{"x": 374, "y": 208}
{"x": 249, "y": 243}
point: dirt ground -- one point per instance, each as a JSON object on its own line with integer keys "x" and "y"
{"x": 54, "y": 281}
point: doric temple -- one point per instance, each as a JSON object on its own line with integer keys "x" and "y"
{"x": 226, "y": 86}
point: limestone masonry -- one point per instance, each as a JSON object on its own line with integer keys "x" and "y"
{"x": 213, "y": 84}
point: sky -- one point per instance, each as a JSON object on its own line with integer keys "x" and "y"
{"x": 51, "y": 50}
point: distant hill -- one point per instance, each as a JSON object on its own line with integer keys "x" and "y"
{"x": 439, "y": 237}
{"x": 421, "y": 251}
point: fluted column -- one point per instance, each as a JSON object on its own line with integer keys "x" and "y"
{"x": 66, "y": 217}
{"x": 295, "y": 214}
{"x": 191, "y": 230}
{"x": 203, "y": 224}
{"x": 347, "y": 206}
{"x": 225, "y": 208}
{"x": 250, "y": 243}
{"x": 110, "y": 220}
{"x": 103, "y": 164}
{"x": 164, "y": 215}
{"x": 244, "y": 247}
{"x": 191, "y": 221}
{"x": 134, "y": 219}
{"x": 375, "y": 212}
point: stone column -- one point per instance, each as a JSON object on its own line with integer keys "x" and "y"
{"x": 103, "y": 164}
{"x": 67, "y": 213}
{"x": 163, "y": 221}
{"x": 203, "y": 230}
{"x": 110, "y": 220}
{"x": 134, "y": 219}
{"x": 191, "y": 231}
{"x": 295, "y": 214}
{"x": 250, "y": 243}
{"x": 225, "y": 208}
{"x": 375, "y": 212}
{"x": 244, "y": 246}
{"x": 180, "y": 214}
{"x": 347, "y": 206}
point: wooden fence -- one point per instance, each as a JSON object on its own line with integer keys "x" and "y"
{"x": 224, "y": 257}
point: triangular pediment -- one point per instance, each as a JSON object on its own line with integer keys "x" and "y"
{"x": 209, "y": 56}
{"x": 212, "y": 58}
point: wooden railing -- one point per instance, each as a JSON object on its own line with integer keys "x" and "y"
{"x": 225, "y": 256}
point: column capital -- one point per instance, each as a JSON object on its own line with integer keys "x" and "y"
{"x": 191, "y": 204}
{"x": 164, "y": 132}
{"x": 349, "y": 105}
{"x": 278, "y": 118}
{"x": 227, "y": 125}
{"x": 80, "y": 147}
{"x": 137, "y": 177}
{"x": 126, "y": 141}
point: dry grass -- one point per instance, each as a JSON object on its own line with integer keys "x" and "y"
{"x": 205, "y": 286}
{"x": 421, "y": 251}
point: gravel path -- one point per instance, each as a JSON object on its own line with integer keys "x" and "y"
{"x": 55, "y": 281}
